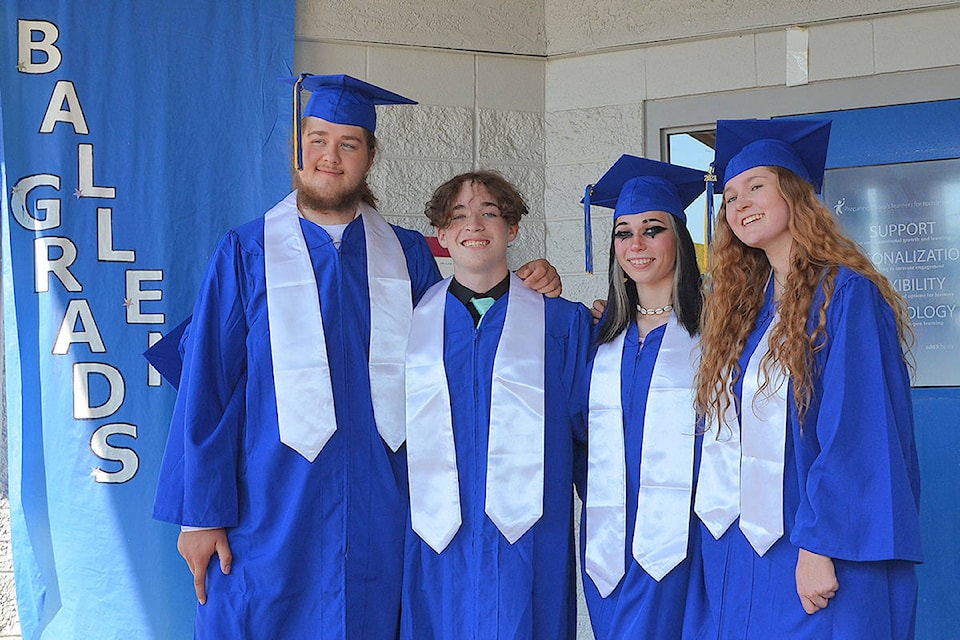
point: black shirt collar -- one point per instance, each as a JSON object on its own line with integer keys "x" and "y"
{"x": 463, "y": 294}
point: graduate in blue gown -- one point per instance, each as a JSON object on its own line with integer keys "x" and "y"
{"x": 808, "y": 487}
{"x": 641, "y": 552}
{"x": 491, "y": 411}
{"x": 284, "y": 457}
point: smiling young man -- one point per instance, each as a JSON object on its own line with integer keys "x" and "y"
{"x": 336, "y": 159}
{"x": 282, "y": 458}
{"x": 493, "y": 376}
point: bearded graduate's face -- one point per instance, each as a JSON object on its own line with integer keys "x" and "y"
{"x": 336, "y": 159}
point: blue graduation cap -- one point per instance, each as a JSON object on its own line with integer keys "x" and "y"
{"x": 340, "y": 99}
{"x": 635, "y": 185}
{"x": 797, "y": 145}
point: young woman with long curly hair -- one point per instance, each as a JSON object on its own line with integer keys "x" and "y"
{"x": 809, "y": 483}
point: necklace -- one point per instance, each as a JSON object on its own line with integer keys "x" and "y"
{"x": 779, "y": 285}
{"x": 654, "y": 312}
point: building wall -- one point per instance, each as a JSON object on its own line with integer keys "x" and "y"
{"x": 475, "y": 110}
{"x": 551, "y": 92}
{"x": 9, "y": 624}
{"x": 496, "y": 26}
{"x": 554, "y": 92}
{"x": 596, "y": 103}
{"x": 575, "y": 27}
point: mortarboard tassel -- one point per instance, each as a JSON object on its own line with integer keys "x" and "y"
{"x": 297, "y": 134}
{"x": 710, "y": 178}
{"x": 587, "y": 232}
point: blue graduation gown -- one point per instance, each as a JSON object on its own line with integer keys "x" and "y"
{"x": 317, "y": 547}
{"x": 851, "y": 491}
{"x": 641, "y": 607}
{"x": 481, "y": 587}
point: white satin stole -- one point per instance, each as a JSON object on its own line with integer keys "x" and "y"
{"x": 515, "y": 449}
{"x": 741, "y": 471}
{"x": 666, "y": 462}
{"x": 301, "y": 370}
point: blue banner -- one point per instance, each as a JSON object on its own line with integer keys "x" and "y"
{"x": 134, "y": 134}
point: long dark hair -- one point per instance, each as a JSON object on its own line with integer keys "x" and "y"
{"x": 622, "y": 292}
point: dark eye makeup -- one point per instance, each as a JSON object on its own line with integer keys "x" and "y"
{"x": 654, "y": 230}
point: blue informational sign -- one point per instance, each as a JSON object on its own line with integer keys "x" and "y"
{"x": 898, "y": 136}
{"x": 134, "y": 134}
{"x": 907, "y": 219}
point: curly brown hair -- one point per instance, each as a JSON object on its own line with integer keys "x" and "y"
{"x": 511, "y": 203}
{"x": 735, "y": 281}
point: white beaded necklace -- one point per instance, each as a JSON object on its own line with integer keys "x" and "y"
{"x": 654, "y": 312}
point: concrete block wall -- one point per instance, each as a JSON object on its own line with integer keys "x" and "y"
{"x": 9, "y": 623}
{"x": 576, "y": 27}
{"x": 595, "y": 99}
{"x": 553, "y": 112}
{"x": 475, "y": 111}
{"x": 594, "y": 111}
{"x": 501, "y": 26}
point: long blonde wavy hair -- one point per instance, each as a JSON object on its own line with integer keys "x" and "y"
{"x": 736, "y": 277}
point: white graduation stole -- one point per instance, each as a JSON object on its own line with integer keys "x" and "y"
{"x": 301, "y": 370}
{"x": 742, "y": 475}
{"x": 391, "y": 312}
{"x": 666, "y": 462}
{"x": 515, "y": 450}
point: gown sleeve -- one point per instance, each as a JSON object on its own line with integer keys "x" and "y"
{"x": 857, "y": 455}
{"x": 579, "y": 352}
{"x": 198, "y": 475}
{"x": 581, "y": 341}
{"x": 420, "y": 262}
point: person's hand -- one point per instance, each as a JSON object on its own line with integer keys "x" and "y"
{"x": 816, "y": 581}
{"x": 597, "y": 310}
{"x": 542, "y": 277}
{"x": 197, "y": 547}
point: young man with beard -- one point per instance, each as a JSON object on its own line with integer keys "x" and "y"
{"x": 282, "y": 457}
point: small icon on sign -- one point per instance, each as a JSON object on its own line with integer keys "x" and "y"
{"x": 838, "y": 208}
